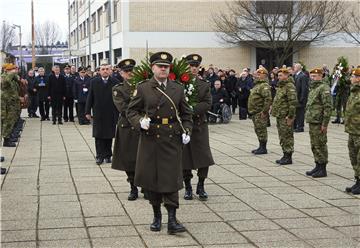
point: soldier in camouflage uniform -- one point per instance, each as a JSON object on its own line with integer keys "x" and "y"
{"x": 10, "y": 103}
{"x": 318, "y": 112}
{"x": 258, "y": 107}
{"x": 284, "y": 109}
{"x": 352, "y": 127}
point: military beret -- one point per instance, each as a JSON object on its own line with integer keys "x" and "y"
{"x": 161, "y": 58}
{"x": 262, "y": 71}
{"x": 9, "y": 66}
{"x": 81, "y": 69}
{"x": 356, "y": 72}
{"x": 193, "y": 59}
{"x": 126, "y": 64}
{"x": 317, "y": 71}
{"x": 283, "y": 70}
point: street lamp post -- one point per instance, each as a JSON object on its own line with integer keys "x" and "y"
{"x": 21, "y": 57}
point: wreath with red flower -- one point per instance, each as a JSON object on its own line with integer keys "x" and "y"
{"x": 179, "y": 71}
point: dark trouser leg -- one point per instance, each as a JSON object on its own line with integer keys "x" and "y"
{"x": 299, "y": 119}
{"x": 155, "y": 198}
{"x": 187, "y": 175}
{"x": 47, "y": 108}
{"x": 71, "y": 109}
{"x": 81, "y": 112}
{"x": 133, "y": 195}
{"x": 130, "y": 176}
{"x": 66, "y": 118}
{"x": 99, "y": 147}
{"x": 42, "y": 109}
{"x": 107, "y": 147}
{"x": 234, "y": 103}
{"x": 203, "y": 172}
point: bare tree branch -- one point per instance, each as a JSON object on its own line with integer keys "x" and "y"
{"x": 7, "y": 36}
{"x": 47, "y": 34}
{"x": 350, "y": 25}
{"x": 278, "y": 25}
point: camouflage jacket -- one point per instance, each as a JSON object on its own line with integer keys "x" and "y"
{"x": 352, "y": 114}
{"x": 9, "y": 87}
{"x": 285, "y": 100}
{"x": 318, "y": 107}
{"x": 260, "y": 97}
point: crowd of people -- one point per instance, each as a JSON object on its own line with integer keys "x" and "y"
{"x": 160, "y": 138}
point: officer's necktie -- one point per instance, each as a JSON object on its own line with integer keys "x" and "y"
{"x": 105, "y": 81}
{"x": 162, "y": 86}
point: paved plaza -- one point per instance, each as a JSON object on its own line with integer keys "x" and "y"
{"x": 54, "y": 195}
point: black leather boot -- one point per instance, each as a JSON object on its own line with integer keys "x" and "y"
{"x": 3, "y": 171}
{"x": 133, "y": 195}
{"x": 173, "y": 226}
{"x": 321, "y": 172}
{"x": 2, "y": 159}
{"x": 8, "y": 143}
{"x": 287, "y": 159}
{"x": 200, "y": 190}
{"x": 278, "y": 160}
{"x": 255, "y": 150}
{"x": 316, "y": 168}
{"x": 262, "y": 149}
{"x": 349, "y": 189}
{"x": 188, "y": 190}
{"x": 156, "y": 224}
{"x": 336, "y": 121}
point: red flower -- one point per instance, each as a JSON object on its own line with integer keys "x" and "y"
{"x": 172, "y": 76}
{"x": 145, "y": 74}
{"x": 185, "y": 78}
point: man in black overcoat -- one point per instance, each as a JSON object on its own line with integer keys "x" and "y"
{"x": 105, "y": 115}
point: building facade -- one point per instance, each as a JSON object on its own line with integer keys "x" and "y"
{"x": 180, "y": 27}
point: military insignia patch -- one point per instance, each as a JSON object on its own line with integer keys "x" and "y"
{"x": 195, "y": 57}
{"x": 127, "y": 62}
{"x": 163, "y": 56}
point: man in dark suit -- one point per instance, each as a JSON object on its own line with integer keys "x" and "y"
{"x": 80, "y": 92}
{"x": 302, "y": 90}
{"x": 41, "y": 86}
{"x": 57, "y": 91}
{"x": 69, "y": 101}
{"x": 104, "y": 113}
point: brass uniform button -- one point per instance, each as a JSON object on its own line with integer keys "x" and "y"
{"x": 157, "y": 136}
{"x": 147, "y": 133}
{"x": 158, "y": 117}
{"x": 170, "y": 126}
{"x": 170, "y": 136}
{"x": 158, "y": 126}
{"x": 122, "y": 125}
{"x": 132, "y": 128}
{"x": 158, "y": 107}
{"x": 171, "y": 107}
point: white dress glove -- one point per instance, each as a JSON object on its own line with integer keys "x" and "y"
{"x": 75, "y": 101}
{"x": 185, "y": 138}
{"x": 145, "y": 123}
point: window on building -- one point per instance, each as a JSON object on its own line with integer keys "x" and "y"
{"x": 107, "y": 54}
{"x": 115, "y": 9}
{"x": 106, "y": 10}
{"x": 99, "y": 14}
{"x": 84, "y": 29}
{"x": 93, "y": 18}
{"x": 94, "y": 58}
{"x": 101, "y": 56}
{"x": 273, "y": 7}
{"x": 81, "y": 31}
{"x": 87, "y": 27}
{"x": 117, "y": 55}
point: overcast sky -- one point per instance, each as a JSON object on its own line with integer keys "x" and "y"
{"x": 19, "y": 12}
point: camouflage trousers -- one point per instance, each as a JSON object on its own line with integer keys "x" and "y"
{"x": 9, "y": 116}
{"x": 260, "y": 126}
{"x": 318, "y": 142}
{"x": 286, "y": 135}
{"x": 354, "y": 153}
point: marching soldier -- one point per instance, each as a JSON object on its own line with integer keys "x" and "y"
{"x": 284, "y": 109}
{"x": 126, "y": 137}
{"x": 318, "y": 112}
{"x": 352, "y": 127}
{"x": 258, "y": 106}
{"x": 10, "y": 103}
{"x": 197, "y": 154}
{"x": 160, "y": 111}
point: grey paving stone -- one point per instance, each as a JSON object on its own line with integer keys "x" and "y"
{"x": 350, "y": 231}
{"x": 62, "y": 233}
{"x": 240, "y": 215}
{"x": 269, "y": 236}
{"x": 220, "y": 238}
{"x": 60, "y": 223}
{"x": 335, "y": 243}
{"x": 299, "y": 223}
{"x": 209, "y": 228}
{"x": 284, "y": 244}
{"x": 317, "y": 233}
{"x": 21, "y": 235}
{"x": 131, "y": 242}
{"x": 23, "y": 224}
{"x": 108, "y": 221}
{"x": 343, "y": 220}
{"x": 327, "y": 211}
{"x": 248, "y": 225}
{"x": 77, "y": 243}
{"x": 18, "y": 245}
{"x": 112, "y": 231}
{"x": 285, "y": 213}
